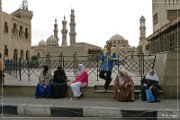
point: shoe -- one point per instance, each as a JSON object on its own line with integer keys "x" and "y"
{"x": 81, "y": 95}
{"x": 157, "y": 100}
{"x": 75, "y": 98}
{"x": 110, "y": 81}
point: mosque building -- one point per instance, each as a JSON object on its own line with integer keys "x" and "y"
{"x": 17, "y": 38}
{"x": 121, "y": 46}
{"x": 51, "y": 46}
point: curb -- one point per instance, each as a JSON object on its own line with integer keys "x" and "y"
{"x": 49, "y": 111}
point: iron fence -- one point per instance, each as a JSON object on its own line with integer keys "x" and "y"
{"x": 30, "y": 69}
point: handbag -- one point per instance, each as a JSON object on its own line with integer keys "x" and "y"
{"x": 123, "y": 95}
{"x": 149, "y": 96}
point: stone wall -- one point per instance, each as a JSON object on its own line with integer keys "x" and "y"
{"x": 166, "y": 66}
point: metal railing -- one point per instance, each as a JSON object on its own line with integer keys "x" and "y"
{"x": 30, "y": 69}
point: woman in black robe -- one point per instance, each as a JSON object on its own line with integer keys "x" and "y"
{"x": 59, "y": 86}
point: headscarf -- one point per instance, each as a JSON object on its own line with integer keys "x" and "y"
{"x": 124, "y": 72}
{"x": 152, "y": 77}
{"x": 121, "y": 78}
{"x": 81, "y": 68}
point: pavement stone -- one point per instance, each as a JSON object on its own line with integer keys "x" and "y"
{"x": 85, "y": 107}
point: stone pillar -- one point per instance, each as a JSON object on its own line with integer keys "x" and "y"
{"x": 166, "y": 66}
{"x": 1, "y": 28}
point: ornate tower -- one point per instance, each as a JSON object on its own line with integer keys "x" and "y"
{"x": 64, "y": 33}
{"x": 72, "y": 24}
{"x": 56, "y": 30}
{"x": 23, "y": 12}
{"x": 142, "y": 48}
{"x": 142, "y": 28}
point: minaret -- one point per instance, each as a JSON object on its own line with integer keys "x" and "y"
{"x": 142, "y": 28}
{"x": 64, "y": 33}
{"x": 1, "y": 29}
{"x": 56, "y": 30}
{"x": 142, "y": 38}
{"x": 72, "y": 24}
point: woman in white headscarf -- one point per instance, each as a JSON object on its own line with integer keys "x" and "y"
{"x": 81, "y": 80}
{"x": 150, "y": 81}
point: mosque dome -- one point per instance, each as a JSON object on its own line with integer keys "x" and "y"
{"x": 42, "y": 43}
{"x": 118, "y": 41}
{"x": 116, "y": 37}
{"x": 52, "y": 41}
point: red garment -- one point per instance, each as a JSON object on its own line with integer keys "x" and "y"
{"x": 128, "y": 80}
{"x": 83, "y": 78}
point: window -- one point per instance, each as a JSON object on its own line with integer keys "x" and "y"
{"x": 26, "y": 33}
{"x": 6, "y": 51}
{"x": 21, "y": 31}
{"x": 14, "y": 28}
{"x": 171, "y": 14}
{"x": 5, "y": 27}
{"x": 155, "y": 19}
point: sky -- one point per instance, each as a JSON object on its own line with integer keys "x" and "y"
{"x": 96, "y": 20}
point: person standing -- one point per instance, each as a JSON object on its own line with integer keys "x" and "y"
{"x": 81, "y": 80}
{"x": 106, "y": 65}
{"x": 2, "y": 67}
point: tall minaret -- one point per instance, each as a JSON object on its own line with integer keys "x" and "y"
{"x": 64, "y": 33}
{"x": 56, "y": 30}
{"x": 72, "y": 24}
{"x": 142, "y": 28}
{"x": 1, "y": 29}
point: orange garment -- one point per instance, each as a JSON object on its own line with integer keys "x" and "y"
{"x": 2, "y": 67}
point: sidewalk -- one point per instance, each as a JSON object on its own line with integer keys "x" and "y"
{"x": 86, "y": 107}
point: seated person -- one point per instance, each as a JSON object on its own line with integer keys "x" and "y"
{"x": 43, "y": 88}
{"x": 81, "y": 80}
{"x": 123, "y": 82}
{"x": 59, "y": 85}
{"x": 150, "y": 81}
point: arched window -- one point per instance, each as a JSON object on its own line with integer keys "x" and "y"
{"x": 38, "y": 54}
{"x": 26, "y": 33}
{"x": 15, "y": 55}
{"x": 22, "y": 55}
{"x": 14, "y": 28}
{"x": 5, "y": 27}
{"x": 27, "y": 55}
{"x": 21, "y": 31}
{"x": 5, "y": 51}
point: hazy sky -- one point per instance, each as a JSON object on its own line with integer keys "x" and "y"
{"x": 96, "y": 20}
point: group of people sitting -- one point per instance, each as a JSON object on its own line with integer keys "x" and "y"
{"x": 57, "y": 85}
{"x": 123, "y": 88}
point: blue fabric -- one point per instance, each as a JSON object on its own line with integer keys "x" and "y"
{"x": 149, "y": 96}
{"x": 43, "y": 91}
{"x": 107, "y": 63}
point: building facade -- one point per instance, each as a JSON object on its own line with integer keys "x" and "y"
{"x": 16, "y": 30}
{"x": 166, "y": 33}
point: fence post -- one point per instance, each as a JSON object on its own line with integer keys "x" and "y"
{"x": 97, "y": 60}
{"x": 75, "y": 62}
{"x": 28, "y": 64}
{"x": 20, "y": 69}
